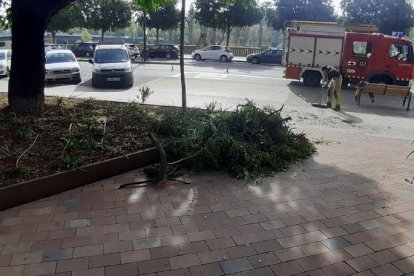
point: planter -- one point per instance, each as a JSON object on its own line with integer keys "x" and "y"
{"x": 31, "y": 190}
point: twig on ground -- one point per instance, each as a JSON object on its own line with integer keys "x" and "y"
{"x": 24, "y": 152}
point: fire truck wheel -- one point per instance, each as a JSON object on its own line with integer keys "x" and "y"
{"x": 312, "y": 78}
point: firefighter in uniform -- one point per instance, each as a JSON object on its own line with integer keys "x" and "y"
{"x": 333, "y": 81}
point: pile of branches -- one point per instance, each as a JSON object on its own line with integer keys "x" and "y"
{"x": 248, "y": 143}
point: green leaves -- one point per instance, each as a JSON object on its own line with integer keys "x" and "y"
{"x": 387, "y": 15}
{"x": 312, "y": 10}
{"x": 249, "y": 143}
{"x": 148, "y": 6}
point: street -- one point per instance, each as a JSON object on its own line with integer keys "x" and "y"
{"x": 230, "y": 84}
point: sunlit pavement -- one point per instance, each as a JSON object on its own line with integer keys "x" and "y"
{"x": 346, "y": 210}
{"x": 349, "y": 209}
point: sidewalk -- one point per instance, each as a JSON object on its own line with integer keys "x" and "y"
{"x": 345, "y": 211}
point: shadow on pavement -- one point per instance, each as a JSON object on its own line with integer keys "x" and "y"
{"x": 383, "y": 105}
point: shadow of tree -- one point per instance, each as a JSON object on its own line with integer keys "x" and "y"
{"x": 347, "y": 209}
{"x": 383, "y": 106}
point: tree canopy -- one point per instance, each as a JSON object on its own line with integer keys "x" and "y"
{"x": 226, "y": 15}
{"x": 165, "y": 17}
{"x": 288, "y": 10}
{"x": 388, "y": 15}
{"x": 66, "y": 19}
{"x": 106, "y": 15}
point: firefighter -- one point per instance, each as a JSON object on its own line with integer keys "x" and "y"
{"x": 333, "y": 81}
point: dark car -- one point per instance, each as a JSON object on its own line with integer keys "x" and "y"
{"x": 268, "y": 56}
{"x": 83, "y": 49}
{"x": 163, "y": 51}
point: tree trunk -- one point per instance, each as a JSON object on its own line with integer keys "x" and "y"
{"x": 228, "y": 31}
{"x": 183, "y": 86}
{"x": 260, "y": 35}
{"x": 102, "y": 35}
{"x": 158, "y": 34}
{"x": 53, "y": 36}
{"x": 27, "y": 76}
{"x": 144, "y": 26}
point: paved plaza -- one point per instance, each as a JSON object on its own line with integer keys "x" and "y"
{"x": 347, "y": 210}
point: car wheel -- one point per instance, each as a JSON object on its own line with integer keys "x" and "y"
{"x": 223, "y": 58}
{"x": 167, "y": 55}
{"x": 93, "y": 82}
{"x": 7, "y": 71}
{"x": 255, "y": 60}
{"x": 197, "y": 57}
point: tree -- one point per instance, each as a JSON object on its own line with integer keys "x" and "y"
{"x": 145, "y": 7}
{"x": 29, "y": 20}
{"x": 387, "y": 15}
{"x": 105, "y": 15}
{"x": 226, "y": 15}
{"x": 166, "y": 17}
{"x": 207, "y": 14}
{"x": 288, "y": 10}
{"x": 183, "y": 85}
{"x": 190, "y": 25}
{"x": 240, "y": 14}
{"x": 66, "y": 19}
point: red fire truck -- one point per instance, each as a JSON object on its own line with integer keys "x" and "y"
{"x": 356, "y": 50}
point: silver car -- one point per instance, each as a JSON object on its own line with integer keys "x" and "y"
{"x": 61, "y": 65}
{"x": 5, "y": 62}
{"x": 111, "y": 66}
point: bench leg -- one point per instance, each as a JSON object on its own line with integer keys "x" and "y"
{"x": 409, "y": 101}
{"x": 405, "y": 99}
{"x": 359, "y": 97}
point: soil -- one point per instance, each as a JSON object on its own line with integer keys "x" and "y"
{"x": 69, "y": 133}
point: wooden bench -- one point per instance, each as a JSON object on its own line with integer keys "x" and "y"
{"x": 385, "y": 89}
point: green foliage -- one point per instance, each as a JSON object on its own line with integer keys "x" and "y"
{"x": 86, "y": 36}
{"x": 288, "y": 10}
{"x": 388, "y": 15}
{"x": 165, "y": 17}
{"x": 19, "y": 172}
{"x": 66, "y": 19}
{"x": 147, "y": 6}
{"x": 25, "y": 133}
{"x": 144, "y": 93}
{"x": 226, "y": 15}
{"x": 106, "y": 15}
{"x": 248, "y": 143}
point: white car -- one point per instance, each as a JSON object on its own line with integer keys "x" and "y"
{"x": 62, "y": 65}
{"x": 216, "y": 52}
{"x": 111, "y": 66}
{"x": 5, "y": 62}
{"x": 49, "y": 46}
{"x": 133, "y": 50}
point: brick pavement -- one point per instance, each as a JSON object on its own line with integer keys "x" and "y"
{"x": 348, "y": 210}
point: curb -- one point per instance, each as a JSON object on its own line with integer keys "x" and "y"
{"x": 35, "y": 189}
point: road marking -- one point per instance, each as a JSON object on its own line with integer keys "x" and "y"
{"x": 214, "y": 76}
{"x": 217, "y": 76}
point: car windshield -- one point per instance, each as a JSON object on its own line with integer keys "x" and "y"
{"x": 111, "y": 56}
{"x": 59, "y": 57}
{"x": 2, "y": 56}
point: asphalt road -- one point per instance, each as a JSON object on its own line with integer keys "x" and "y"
{"x": 230, "y": 84}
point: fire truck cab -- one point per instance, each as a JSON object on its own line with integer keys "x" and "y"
{"x": 367, "y": 56}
